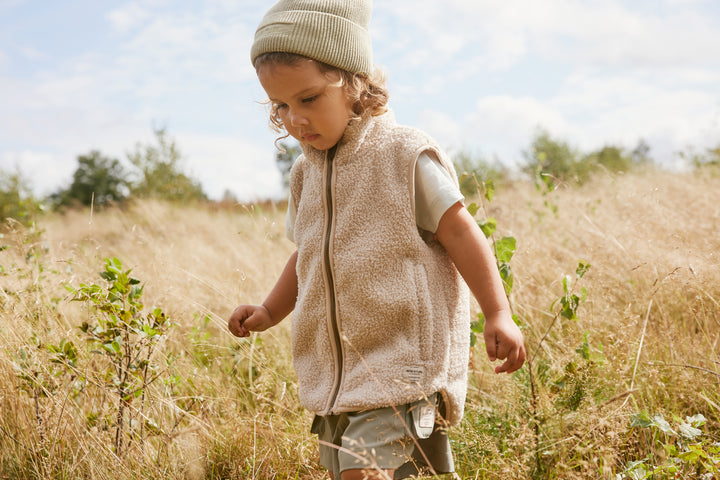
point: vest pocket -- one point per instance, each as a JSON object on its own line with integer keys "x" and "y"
{"x": 424, "y": 319}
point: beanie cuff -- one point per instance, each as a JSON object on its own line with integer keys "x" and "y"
{"x": 321, "y": 36}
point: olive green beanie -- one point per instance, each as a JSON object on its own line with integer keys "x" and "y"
{"x": 330, "y": 31}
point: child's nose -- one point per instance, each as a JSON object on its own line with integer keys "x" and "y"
{"x": 297, "y": 119}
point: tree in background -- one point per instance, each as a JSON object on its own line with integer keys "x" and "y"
{"x": 468, "y": 166}
{"x": 611, "y": 158}
{"x": 708, "y": 159}
{"x": 641, "y": 154}
{"x": 98, "y": 180}
{"x": 160, "y": 174}
{"x": 551, "y": 161}
{"x": 713, "y": 156}
{"x": 16, "y": 199}
{"x": 285, "y": 158}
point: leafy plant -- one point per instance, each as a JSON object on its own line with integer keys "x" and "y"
{"x": 126, "y": 336}
{"x": 16, "y": 199}
{"x": 570, "y": 301}
{"x": 570, "y": 385}
{"x": 473, "y": 167}
{"x": 688, "y": 452}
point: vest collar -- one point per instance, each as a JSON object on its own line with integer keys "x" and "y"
{"x": 354, "y": 136}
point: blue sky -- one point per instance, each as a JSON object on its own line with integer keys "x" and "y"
{"x": 479, "y": 75}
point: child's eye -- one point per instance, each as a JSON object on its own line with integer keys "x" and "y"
{"x": 310, "y": 99}
{"x": 280, "y": 106}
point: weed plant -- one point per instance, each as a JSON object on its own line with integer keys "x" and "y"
{"x": 616, "y": 286}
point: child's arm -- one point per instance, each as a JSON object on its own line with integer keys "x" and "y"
{"x": 278, "y": 305}
{"x": 464, "y": 241}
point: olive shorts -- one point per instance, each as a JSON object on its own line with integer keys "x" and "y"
{"x": 386, "y": 438}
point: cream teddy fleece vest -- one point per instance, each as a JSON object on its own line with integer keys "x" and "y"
{"x": 382, "y": 315}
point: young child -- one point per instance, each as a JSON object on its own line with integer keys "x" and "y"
{"x": 378, "y": 285}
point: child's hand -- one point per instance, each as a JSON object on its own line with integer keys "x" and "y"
{"x": 249, "y": 318}
{"x": 504, "y": 341}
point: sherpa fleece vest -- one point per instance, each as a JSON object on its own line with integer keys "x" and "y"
{"x": 382, "y": 315}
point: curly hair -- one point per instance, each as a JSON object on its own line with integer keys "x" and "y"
{"x": 368, "y": 94}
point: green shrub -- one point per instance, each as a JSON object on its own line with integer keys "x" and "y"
{"x": 16, "y": 199}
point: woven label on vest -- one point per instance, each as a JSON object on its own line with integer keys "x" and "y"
{"x": 413, "y": 374}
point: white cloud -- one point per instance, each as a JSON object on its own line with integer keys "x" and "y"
{"x": 167, "y": 71}
{"x": 128, "y": 17}
{"x": 499, "y": 126}
{"x": 609, "y": 72}
{"x": 477, "y": 74}
{"x": 231, "y": 163}
{"x": 44, "y": 172}
{"x": 588, "y": 112}
{"x": 622, "y": 109}
{"x": 578, "y": 32}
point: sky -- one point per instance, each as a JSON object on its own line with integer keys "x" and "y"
{"x": 481, "y": 76}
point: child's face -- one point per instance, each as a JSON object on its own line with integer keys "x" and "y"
{"x": 312, "y": 105}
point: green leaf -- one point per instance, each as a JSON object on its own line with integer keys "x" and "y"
{"x": 473, "y": 208}
{"x": 565, "y": 281}
{"x": 670, "y": 449}
{"x": 570, "y": 305}
{"x": 693, "y": 454}
{"x": 135, "y": 292}
{"x": 478, "y": 326}
{"x": 109, "y": 276}
{"x": 149, "y": 332}
{"x": 463, "y": 176}
{"x": 697, "y": 420}
{"x": 582, "y": 269}
{"x": 488, "y": 227}
{"x": 489, "y": 189}
{"x": 688, "y": 431}
{"x": 641, "y": 420}
{"x": 507, "y": 277}
{"x": 636, "y": 470}
{"x": 504, "y": 249}
{"x": 661, "y": 424}
{"x": 113, "y": 265}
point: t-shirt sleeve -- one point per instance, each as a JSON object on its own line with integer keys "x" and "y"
{"x": 435, "y": 191}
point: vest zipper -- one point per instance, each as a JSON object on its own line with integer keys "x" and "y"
{"x": 335, "y": 338}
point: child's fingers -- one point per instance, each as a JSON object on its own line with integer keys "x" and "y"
{"x": 507, "y": 365}
{"x": 491, "y": 347}
{"x": 514, "y": 360}
{"x": 237, "y": 321}
{"x": 253, "y": 322}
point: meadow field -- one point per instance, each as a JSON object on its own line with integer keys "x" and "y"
{"x": 616, "y": 287}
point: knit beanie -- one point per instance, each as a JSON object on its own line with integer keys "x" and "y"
{"x": 329, "y": 31}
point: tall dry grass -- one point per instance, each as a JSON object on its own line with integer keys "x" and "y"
{"x": 646, "y": 338}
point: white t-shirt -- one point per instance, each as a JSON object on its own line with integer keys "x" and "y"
{"x": 435, "y": 192}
